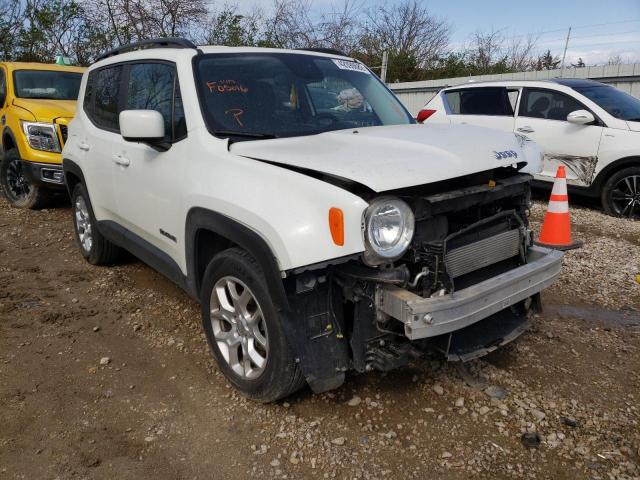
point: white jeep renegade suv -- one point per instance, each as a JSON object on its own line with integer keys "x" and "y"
{"x": 291, "y": 193}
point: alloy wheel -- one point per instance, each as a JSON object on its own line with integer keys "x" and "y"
{"x": 239, "y": 327}
{"x": 83, "y": 224}
{"x": 18, "y": 185}
{"x": 625, "y": 197}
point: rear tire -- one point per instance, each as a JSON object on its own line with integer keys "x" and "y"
{"x": 17, "y": 189}
{"x": 245, "y": 330}
{"x": 95, "y": 248}
{"x": 621, "y": 194}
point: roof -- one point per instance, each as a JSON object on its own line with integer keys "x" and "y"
{"x": 321, "y": 52}
{"x": 565, "y": 82}
{"x": 41, "y": 66}
{"x": 576, "y": 82}
{"x": 130, "y": 52}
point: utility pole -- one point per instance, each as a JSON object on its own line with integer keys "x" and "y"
{"x": 385, "y": 61}
{"x": 564, "y": 54}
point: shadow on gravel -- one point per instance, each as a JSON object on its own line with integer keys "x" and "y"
{"x": 542, "y": 195}
{"x": 595, "y": 314}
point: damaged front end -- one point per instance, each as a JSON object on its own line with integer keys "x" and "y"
{"x": 463, "y": 287}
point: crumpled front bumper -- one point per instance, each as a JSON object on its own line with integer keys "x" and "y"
{"x": 430, "y": 317}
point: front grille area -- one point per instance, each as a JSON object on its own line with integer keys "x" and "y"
{"x": 468, "y": 235}
{"x": 474, "y": 256}
{"x": 63, "y": 133}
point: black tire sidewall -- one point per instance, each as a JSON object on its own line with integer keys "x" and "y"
{"x": 607, "y": 189}
{"x": 30, "y": 200}
{"x": 276, "y": 378}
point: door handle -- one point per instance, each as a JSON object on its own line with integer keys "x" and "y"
{"x": 120, "y": 160}
{"x": 84, "y": 146}
{"x": 526, "y": 129}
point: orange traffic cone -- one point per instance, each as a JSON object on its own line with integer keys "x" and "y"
{"x": 556, "y": 228}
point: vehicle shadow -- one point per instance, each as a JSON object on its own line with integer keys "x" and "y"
{"x": 542, "y": 195}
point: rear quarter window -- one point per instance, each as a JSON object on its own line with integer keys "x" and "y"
{"x": 480, "y": 101}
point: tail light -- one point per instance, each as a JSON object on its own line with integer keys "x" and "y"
{"x": 424, "y": 114}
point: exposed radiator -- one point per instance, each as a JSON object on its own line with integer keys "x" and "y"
{"x": 485, "y": 252}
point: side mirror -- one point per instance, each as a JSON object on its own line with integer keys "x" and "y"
{"x": 581, "y": 117}
{"x": 144, "y": 126}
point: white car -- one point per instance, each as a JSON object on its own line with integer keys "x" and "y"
{"x": 591, "y": 128}
{"x": 294, "y": 197}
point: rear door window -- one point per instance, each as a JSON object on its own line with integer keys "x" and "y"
{"x": 495, "y": 101}
{"x": 102, "y": 103}
{"x": 548, "y": 104}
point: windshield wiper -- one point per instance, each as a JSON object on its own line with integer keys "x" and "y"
{"x": 637, "y": 119}
{"x": 233, "y": 133}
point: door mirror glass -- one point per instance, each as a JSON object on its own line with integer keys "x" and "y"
{"x": 145, "y": 126}
{"x": 581, "y": 117}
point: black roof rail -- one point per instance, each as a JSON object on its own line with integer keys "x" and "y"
{"x": 169, "y": 42}
{"x": 330, "y": 51}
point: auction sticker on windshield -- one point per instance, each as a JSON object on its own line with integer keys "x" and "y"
{"x": 353, "y": 66}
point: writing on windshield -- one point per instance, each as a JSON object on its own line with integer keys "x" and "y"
{"x": 286, "y": 94}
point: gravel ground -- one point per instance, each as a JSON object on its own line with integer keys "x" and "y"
{"x": 603, "y": 271}
{"x": 104, "y": 373}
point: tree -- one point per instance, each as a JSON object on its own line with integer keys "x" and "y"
{"x": 487, "y": 51}
{"x": 547, "y": 61}
{"x": 407, "y": 30}
{"x": 341, "y": 28}
{"x": 228, "y": 27}
{"x": 11, "y": 12}
{"x": 579, "y": 64}
{"x": 519, "y": 53}
{"x": 118, "y": 22}
{"x": 615, "y": 60}
{"x": 291, "y": 26}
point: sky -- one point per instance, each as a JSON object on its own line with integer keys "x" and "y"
{"x": 601, "y": 29}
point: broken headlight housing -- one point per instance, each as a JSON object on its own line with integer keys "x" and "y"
{"x": 42, "y": 136}
{"x": 388, "y": 230}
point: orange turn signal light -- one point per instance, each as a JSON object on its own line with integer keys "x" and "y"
{"x": 336, "y": 225}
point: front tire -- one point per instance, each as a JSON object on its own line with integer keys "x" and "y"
{"x": 95, "y": 248}
{"x": 621, "y": 194}
{"x": 17, "y": 188}
{"x": 245, "y": 330}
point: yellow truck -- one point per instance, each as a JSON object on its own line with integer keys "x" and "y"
{"x": 37, "y": 101}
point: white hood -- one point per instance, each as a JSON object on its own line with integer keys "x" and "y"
{"x": 386, "y": 158}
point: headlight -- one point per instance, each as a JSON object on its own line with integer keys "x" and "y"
{"x": 389, "y": 224}
{"x": 41, "y": 136}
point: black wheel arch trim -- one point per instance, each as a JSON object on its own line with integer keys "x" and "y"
{"x": 69, "y": 166}
{"x": 201, "y": 219}
{"x": 322, "y": 359}
{"x": 610, "y": 169}
{"x": 7, "y": 131}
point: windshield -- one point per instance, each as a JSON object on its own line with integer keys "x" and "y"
{"x": 616, "y": 102}
{"x": 284, "y": 94}
{"x": 46, "y": 84}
